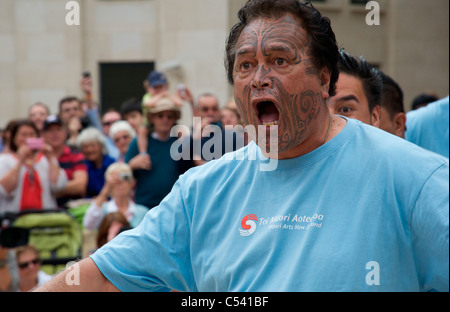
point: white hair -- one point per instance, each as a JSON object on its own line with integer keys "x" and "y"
{"x": 119, "y": 168}
{"x": 121, "y": 125}
{"x": 92, "y": 135}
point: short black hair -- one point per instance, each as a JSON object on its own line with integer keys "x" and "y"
{"x": 368, "y": 75}
{"x": 423, "y": 100}
{"x": 67, "y": 99}
{"x": 15, "y": 128}
{"x": 392, "y": 97}
{"x": 322, "y": 40}
{"x": 130, "y": 105}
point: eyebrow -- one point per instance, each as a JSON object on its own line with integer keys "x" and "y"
{"x": 347, "y": 98}
{"x": 245, "y": 50}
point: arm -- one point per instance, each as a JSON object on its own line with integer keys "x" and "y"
{"x": 11, "y": 179}
{"x": 430, "y": 222}
{"x": 82, "y": 276}
{"x": 5, "y": 276}
{"x": 95, "y": 213}
{"x": 76, "y": 186}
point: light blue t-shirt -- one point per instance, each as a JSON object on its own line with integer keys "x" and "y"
{"x": 367, "y": 211}
{"x": 428, "y": 127}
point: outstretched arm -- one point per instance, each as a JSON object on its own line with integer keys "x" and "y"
{"x": 82, "y": 276}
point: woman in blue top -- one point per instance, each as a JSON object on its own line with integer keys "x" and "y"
{"x": 93, "y": 146}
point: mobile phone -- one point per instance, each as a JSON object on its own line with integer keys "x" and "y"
{"x": 35, "y": 143}
{"x": 86, "y": 74}
{"x": 182, "y": 89}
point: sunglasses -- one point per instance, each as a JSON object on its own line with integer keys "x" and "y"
{"x": 25, "y": 265}
{"x": 206, "y": 109}
{"x": 109, "y": 123}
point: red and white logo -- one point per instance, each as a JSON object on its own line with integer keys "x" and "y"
{"x": 248, "y": 225}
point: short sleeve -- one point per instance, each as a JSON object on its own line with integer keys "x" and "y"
{"x": 430, "y": 228}
{"x": 154, "y": 256}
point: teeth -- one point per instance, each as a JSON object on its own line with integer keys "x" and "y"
{"x": 268, "y": 124}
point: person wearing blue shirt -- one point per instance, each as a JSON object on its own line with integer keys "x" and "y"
{"x": 93, "y": 146}
{"x": 343, "y": 207}
{"x": 428, "y": 127}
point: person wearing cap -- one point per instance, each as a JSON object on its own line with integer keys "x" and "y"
{"x": 30, "y": 172}
{"x": 156, "y": 171}
{"x": 71, "y": 161}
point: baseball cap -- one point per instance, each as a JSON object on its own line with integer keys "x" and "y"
{"x": 156, "y": 78}
{"x": 52, "y": 120}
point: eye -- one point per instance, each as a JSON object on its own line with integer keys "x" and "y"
{"x": 245, "y": 66}
{"x": 345, "y": 110}
{"x": 280, "y": 61}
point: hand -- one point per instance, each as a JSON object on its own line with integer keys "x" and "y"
{"x": 141, "y": 161}
{"x": 86, "y": 84}
{"x": 185, "y": 94}
{"x": 74, "y": 126}
{"x": 23, "y": 152}
{"x": 48, "y": 151}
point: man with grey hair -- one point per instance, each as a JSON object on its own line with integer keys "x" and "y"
{"x": 348, "y": 208}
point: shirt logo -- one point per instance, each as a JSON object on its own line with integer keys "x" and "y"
{"x": 248, "y": 225}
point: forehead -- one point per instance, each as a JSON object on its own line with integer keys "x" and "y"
{"x": 207, "y": 100}
{"x": 349, "y": 85}
{"x": 111, "y": 116}
{"x": 284, "y": 33}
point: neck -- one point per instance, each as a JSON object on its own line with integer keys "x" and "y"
{"x": 27, "y": 285}
{"x": 99, "y": 162}
{"x": 58, "y": 150}
{"x": 162, "y": 135}
{"x": 122, "y": 203}
{"x": 325, "y": 130}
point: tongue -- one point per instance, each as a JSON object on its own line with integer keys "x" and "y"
{"x": 268, "y": 112}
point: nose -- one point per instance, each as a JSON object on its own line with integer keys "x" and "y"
{"x": 262, "y": 79}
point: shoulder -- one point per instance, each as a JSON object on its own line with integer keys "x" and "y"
{"x": 141, "y": 209}
{"x": 7, "y": 160}
{"x": 395, "y": 153}
{"x": 431, "y": 113}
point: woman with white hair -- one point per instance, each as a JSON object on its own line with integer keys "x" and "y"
{"x": 119, "y": 186}
{"x": 93, "y": 146}
{"x": 121, "y": 132}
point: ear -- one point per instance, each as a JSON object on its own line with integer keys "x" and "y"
{"x": 375, "y": 116}
{"x": 400, "y": 124}
{"x": 325, "y": 77}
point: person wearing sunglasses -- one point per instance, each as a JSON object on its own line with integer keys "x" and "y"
{"x": 29, "y": 264}
{"x": 122, "y": 133}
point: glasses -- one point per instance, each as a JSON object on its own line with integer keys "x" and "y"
{"x": 205, "y": 109}
{"x": 25, "y": 265}
{"x": 123, "y": 137}
{"x": 109, "y": 123}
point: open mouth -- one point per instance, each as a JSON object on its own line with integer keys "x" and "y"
{"x": 268, "y": 113}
